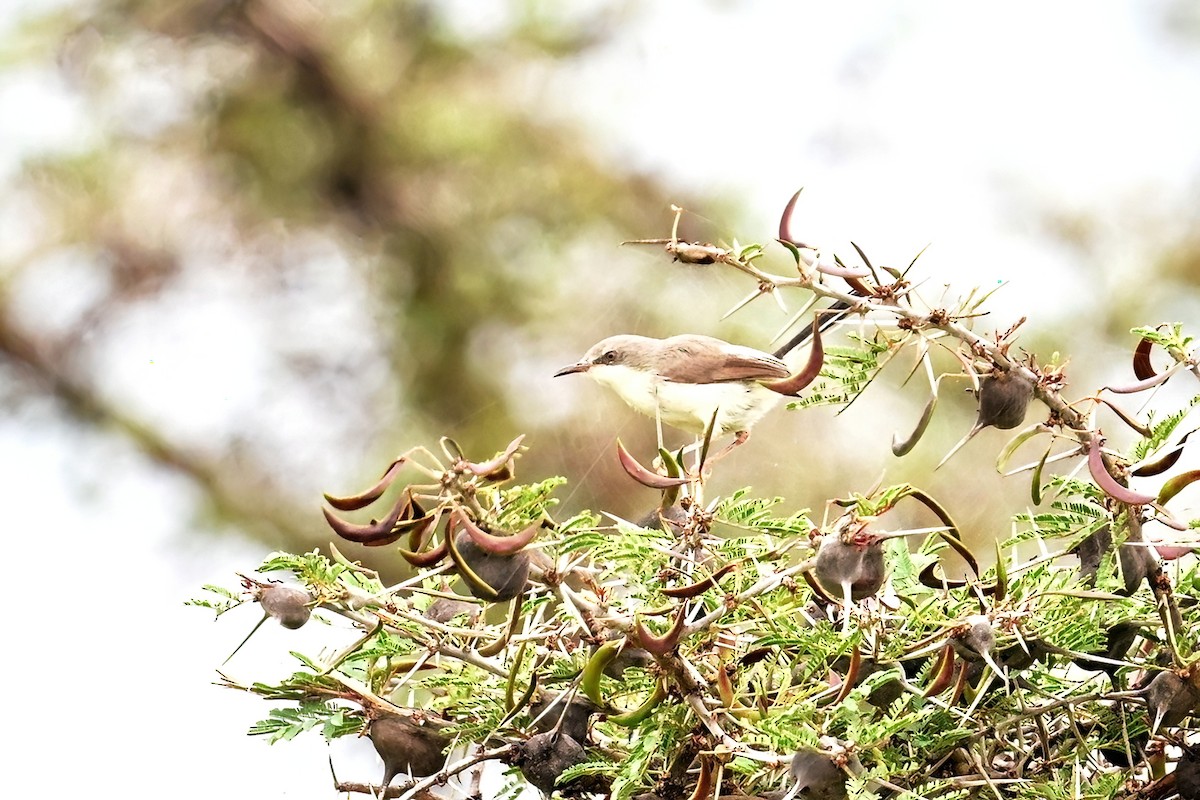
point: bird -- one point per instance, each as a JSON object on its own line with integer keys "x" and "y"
{"x": 682, "y": 380}
{"x": 691, "y": 381}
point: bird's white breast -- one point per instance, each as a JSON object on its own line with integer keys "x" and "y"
{"x": 688, "y": 406}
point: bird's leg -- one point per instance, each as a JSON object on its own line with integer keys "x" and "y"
{"x": 739, "y": 437}
{"x": 658, "y": 419}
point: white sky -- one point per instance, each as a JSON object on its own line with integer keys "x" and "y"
{"x": 907, "y": 124}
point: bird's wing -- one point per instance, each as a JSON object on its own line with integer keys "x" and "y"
{"x": 709, "y": 360}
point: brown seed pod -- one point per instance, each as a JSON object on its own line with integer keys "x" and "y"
{"x": 857, "y": 564}
{"x": 816, "y": 776}
{"x": 975, "y": 639}
{"x": 545, "y": 756}
{"x": 1187, "y": 774}
{"x": 407, "y": 747}
{"x": 1170, "y": 700}
{"x": 291, "y": 606}
{"x": 489, "y": 577}
{"x": 552, "y": 710}
{"x": 1003, "y": 400}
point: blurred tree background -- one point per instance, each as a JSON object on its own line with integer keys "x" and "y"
{"x": 251, "y": 250}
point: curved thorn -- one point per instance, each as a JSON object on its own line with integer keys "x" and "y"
{"x": 492, "y": 543}
{"x": 904, "y": 447}
{"x": 1177, "y": 484}
{"x": 498, "y": 468}
{"x": 787, "y": 235}
{"x": 792, "y": 386}
{"x": 642, "y": 475}
{"x": 1107, "y": 483}
{"x": 374, "y": 534}
{"x": 660, "y": 645}
{"x": 429, "y": 557}
{"x": 699, "y": 587}
{"x": 1166, "y": 462}
{"x": 365, "y": 498}
{"x": 1142, "y": 368}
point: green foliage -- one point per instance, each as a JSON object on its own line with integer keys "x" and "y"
{"x": 287, "y": 723}
{"x": 847, "y": 372}
{"x": 718, "y": 641}
{"x": 228, "y": 599}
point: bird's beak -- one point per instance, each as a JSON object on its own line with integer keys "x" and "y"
{"x": 582, "y": 366}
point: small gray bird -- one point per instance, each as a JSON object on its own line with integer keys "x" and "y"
{"x": 682, "y": 380}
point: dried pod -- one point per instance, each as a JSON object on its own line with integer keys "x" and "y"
{"x": 645, "y": 476}
{"x": 495, "y": 544}
{"x": 375, "y": 533}
{"x": 500, "y": 467}
{"x": 1003, "y": 400}
{"x": 856, "y": 565}
{"x": 365, "y": 498}
{"x": 669, "y": 520}
{"x": 817, "y": 776}
{"x": 552, "y": 712}
{"x": 1187, "y": 774}
{"x": 1137, "y": 562}
{"x": 488, "y": 577}
{"x": 407, "y": 747}
{"x": 1170, "y": 700}
{"x": 444, "y": 609}
{"x": 792, "y": 386}
{"x": 545, "y": 756}
{"x": 1104, "y": 479}
{"x": 291, "y": 606}
{"x": 1091, "y": 552}
{"x": 974, "y": 639}
{"x": 1142, "y": 368}
{"x": 1164, "y": 463}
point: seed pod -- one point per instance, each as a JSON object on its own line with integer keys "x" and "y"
{"x": 291, "y": 606}
{"x": 1091, "y": 552}
{"x": 854, "y": 564}
{"x": 545, "y": 756}
{"x": 444, "y": 609}
{"x": 629, "y": 656}
{"x": 504, "y": 576}
{"x": 1003, "y": 400}
{"x": 551, "y": 711}
{"x": 669, "y": 520}
{"x": 975, "y": 639}
{"x": 1170, "y": 699}
{"x": 816, "y": 776}
{"x": 407, "y": 747}
{"x": 1187, "y": 774}
{"x": 1137, "y": 562}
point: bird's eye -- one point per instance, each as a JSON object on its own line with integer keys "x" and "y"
{"x": 609, "y": 357}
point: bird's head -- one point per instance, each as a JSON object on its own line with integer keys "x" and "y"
{"x": 627, "y": 351}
